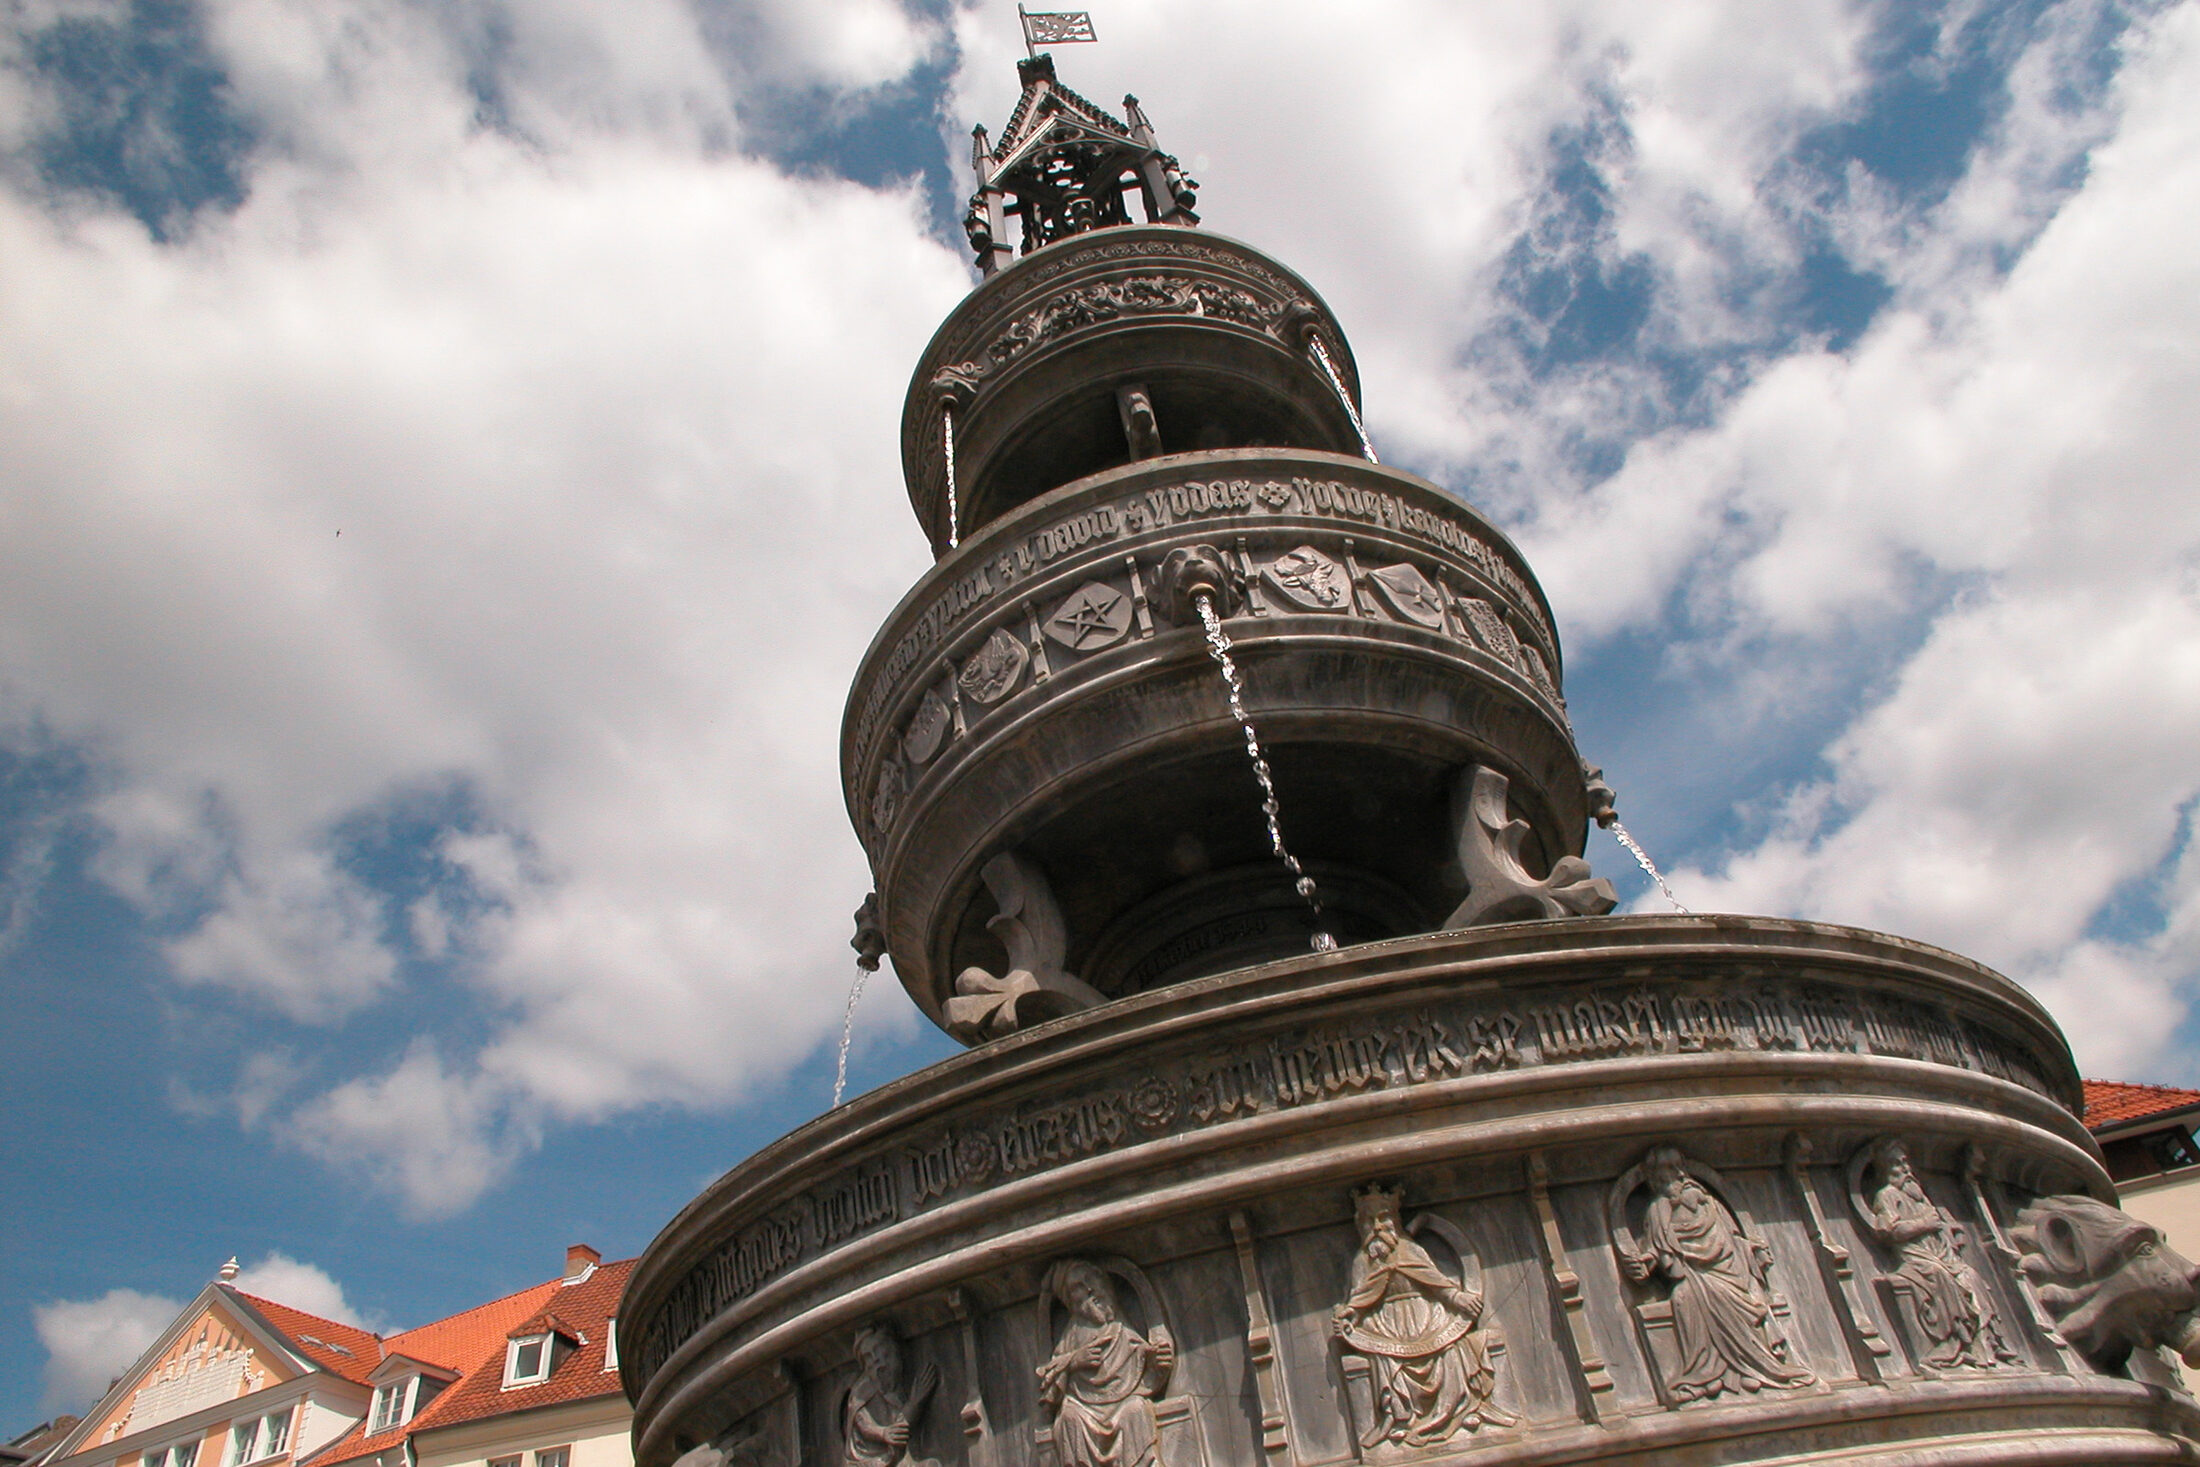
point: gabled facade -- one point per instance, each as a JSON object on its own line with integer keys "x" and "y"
{"x": 236, "y": 1381}
{"x": 2146, "y": 1133}
{"x": 528, "y": 1380}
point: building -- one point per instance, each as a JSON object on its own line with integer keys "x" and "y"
{"x": 527, "y": 1380}
{"x": 30, "y": 1446}
{"x": 2146, "y": 1136}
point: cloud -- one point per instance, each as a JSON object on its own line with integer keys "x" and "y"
{"x": 1952, "y": 547}
{"x": 466, "y": 525}
{"x": 91, "y": 1341}
{"x": 452, "y": 559}
{"x": 285, "y": 1280}
{"x": 2033, "y": 434}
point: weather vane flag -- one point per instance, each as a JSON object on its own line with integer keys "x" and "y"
{"x": 1054, "y": 28}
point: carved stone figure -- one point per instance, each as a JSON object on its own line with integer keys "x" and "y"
{"x": 1420, "y": 1331}
{"x": 1035, "y": 987}
{"x": 879, "y": 1414}
{"x": 870, "y": 939}
{"x": 1141, "y": 428}
{"x": 1499, "y": 888}
{"x": 2109, "y": 1281}
{"x": 1725, "y": 1334}
{"x": 1948, "y": 1301}
{"x": 1104, "y": 1376}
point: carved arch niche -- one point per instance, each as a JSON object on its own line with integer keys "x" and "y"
{"x": 1421, "y": 1355}
{"x": 1710, "y": 1319}
{"x": 1121, "y": 1384}
{"x": 1948, "y": 1314}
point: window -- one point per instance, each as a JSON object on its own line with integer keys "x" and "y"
{"x": 389, "y": 1404}
{"x": 553, "y": 1456}
{"x": 611, "y": 1344}
{"x": 527, "y": 1360}
{"x": 504, "y": 1462}
{"x": 399, "y": 1401}
{"x": 175, "y": 1454}
{"x": 2151, "y": 1153}
{"x": 256, "y": 1437}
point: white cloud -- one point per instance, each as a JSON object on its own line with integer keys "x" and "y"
{"x": 2022, "y": 433}
{"x": 434, "y": 1138}
{"x": 576, "y": 402}
{"x": 306, "y": 1286}
{"x": 91, "y": 1341}
{"x": 2035, "y": 434}
{"x": 603, "y": 410}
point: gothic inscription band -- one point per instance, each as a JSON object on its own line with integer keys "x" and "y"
{"x": 1425, "y": 1045}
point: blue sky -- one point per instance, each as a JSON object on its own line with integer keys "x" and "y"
{"x": 448, "y": 473}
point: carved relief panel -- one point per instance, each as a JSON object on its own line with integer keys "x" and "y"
{"x": 1420, "y": 1358}
{"x": 881, "y": 1412}
{"x": 1104, "y": 1389}
{"x": 1709, "y": 1315}
{"x": 1944, "y": 1307}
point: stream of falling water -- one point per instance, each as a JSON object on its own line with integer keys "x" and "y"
{"x": 1642, "y": 859}
{"x": 847, "y": 1032}
{"x": 1351, "y": 410}
{"x": 1218, "y": 647}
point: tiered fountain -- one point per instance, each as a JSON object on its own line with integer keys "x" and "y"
{"x": 1390, "y": 1145}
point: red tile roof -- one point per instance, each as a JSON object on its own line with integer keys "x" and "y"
{"x": 473, "y": 1343}
{"x": 586, "y": 1308}
{"x": 464, "y": 1340}
{"x": 346, "y": 1349}
{"x": 2114, "y": 1102}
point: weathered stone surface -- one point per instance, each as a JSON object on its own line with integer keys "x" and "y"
{"x": 1209, "y": 1140}
{"x": 1212, "y": 331}
{"x": 1066, "y": 709}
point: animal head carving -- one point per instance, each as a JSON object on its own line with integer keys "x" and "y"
{"x": 2109, "y": 1280}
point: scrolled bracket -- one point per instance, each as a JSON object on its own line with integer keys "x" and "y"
{"x": 1499, "y": 888}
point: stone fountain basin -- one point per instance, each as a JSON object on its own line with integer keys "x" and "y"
{"x": 1036, "y": 691}
{"x": 1211, "y": 1133}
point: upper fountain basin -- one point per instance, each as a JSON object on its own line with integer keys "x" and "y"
{"x": 1213, "y": 331}
{"x": 1046, "y": 690}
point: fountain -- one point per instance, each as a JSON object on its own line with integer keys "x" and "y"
{"x": 1452, "y": 1166}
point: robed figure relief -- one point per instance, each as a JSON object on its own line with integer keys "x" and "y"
{"x": 1420, "y": 1331}
{"x": 1725, "y": 1333}
{"x": 1951, "y": 1319}
{"x": 1102, "y": 1381}
{"x": 881, "y": 1411}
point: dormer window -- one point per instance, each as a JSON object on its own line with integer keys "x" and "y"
{"x": 399, "y": 1401}
{"x": 257, "y": 1438}
{"x": 529, "y": 1359}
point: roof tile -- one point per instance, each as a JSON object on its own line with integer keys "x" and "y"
{"x": 345, "y": 1349}
{"x": 479, "y": 1334}
{"x": 2112, "y": 1102}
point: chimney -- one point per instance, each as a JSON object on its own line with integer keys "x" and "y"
{"x": 579, "y": 1260}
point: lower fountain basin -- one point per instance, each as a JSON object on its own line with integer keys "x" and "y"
{"x": 1215, "y": 1160}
